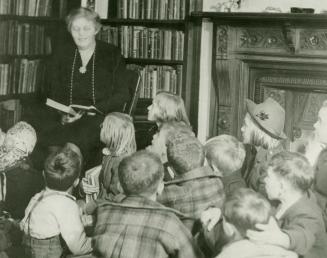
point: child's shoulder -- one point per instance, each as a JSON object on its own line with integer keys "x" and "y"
{"x": 307, "y": 205}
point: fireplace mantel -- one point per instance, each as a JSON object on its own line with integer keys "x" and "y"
{"x": 278, "y": 18}
{"x": 256, "y": 55}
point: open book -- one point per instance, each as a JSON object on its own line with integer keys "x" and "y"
{"x": 72, "y": 109}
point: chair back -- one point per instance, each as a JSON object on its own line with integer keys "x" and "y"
{"x": 134, "y": 86}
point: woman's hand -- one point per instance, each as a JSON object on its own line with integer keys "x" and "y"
{"x": 67, "y": 118}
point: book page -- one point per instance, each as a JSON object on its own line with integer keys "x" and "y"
{"x": 60, "y": 107}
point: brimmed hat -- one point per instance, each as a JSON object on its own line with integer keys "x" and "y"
{"x": 269, "y": 116}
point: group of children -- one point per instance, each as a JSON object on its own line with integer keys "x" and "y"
{"x": 179, "y": 197}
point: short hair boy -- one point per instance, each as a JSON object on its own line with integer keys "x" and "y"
{"x": 243, "y": 209}
{"x": 54, "y": 212}
{"x": 195, "y": 186}
{"x": 289, "y": 178}
{"x": 152, "y": 229}
{"x": 226, "y": 154}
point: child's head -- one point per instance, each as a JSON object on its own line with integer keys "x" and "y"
{"x": 118, "y": 133}
{"x": 264, "y": 123}
{"x": 252, "y": 134}
{"x": 287, "y": 171}
{"x": 184, "y": 152}
{"x": 225, "y": 153}
{"x": 22, "y": 137}
{"x": 167, "y": 130}
{"x": 62, "y": 169}
{"x": 243, "y": 209}
{"x": 141, "y": 174}
{"x": 17, "y": 144}
{"x": 167, "y": 106}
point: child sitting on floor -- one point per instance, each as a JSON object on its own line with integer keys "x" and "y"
{"x": 19, "y": 180}
{"x": 195, "y": 187}
{"x": 243, "y": 209}
{"x": 226, "y": 154}
{"x": 166, "y": 107}
{"x": 53, "y": 213}
{"x": 139, "y": 226}
{"x": 118, "y": 134}
{"x": 301, "y": 226}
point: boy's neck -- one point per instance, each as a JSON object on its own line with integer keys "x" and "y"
{"x": 69, "y": 190}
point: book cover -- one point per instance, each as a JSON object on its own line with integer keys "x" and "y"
{"x": 72, "y": 109}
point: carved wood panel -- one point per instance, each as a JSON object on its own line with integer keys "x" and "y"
{"x": 313, "y": 41}
{"x": 261, "y": 39}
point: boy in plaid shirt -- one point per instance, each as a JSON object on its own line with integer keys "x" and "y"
{"x": 195, "y": 187}
{"x": 138, "y": 226}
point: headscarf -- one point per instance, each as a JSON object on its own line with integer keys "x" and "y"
{"x": 18, "y": 143}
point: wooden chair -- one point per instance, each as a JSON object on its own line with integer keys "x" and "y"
{"x": 134, "y": 78}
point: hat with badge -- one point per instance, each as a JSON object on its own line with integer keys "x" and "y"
{"x": 269, "y": 116}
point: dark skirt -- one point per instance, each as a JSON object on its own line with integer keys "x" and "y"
{"x": 85, "y": 133}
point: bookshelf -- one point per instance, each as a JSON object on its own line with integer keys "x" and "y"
{"x": 153, "y": 38}
{"x": 27, "y": 29}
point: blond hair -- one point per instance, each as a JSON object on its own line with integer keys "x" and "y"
{"x": 259, "y": 137}
{"x": 118, "y": 133}
{"x": 294, "y": 168}
{"x": 225, "y": 152}
{"x": 171, "y": 108}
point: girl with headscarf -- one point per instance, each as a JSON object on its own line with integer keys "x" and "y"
{"x": 19, "y": 181}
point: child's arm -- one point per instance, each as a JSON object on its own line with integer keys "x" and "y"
{"x": 270, "y": 233}
{"x": 72, "y": 230}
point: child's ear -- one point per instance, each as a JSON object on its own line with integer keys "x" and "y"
{"x": 284, "y": 186}
{"x": 229, "y": 228}
{"x": 119, "y": 188}
{"x": 43, "y": 175}
{"x": 160, "y": 187}
{"x": 76, "y": 182}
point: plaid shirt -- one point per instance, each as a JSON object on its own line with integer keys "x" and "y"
{"x": 139, "y": 227}
{"x": 193, "y": 192}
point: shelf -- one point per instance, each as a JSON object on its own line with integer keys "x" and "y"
{"x": 30, "y": 18}
{"x": 224, "y": 18}
{"x": 16, "y": 96}
{"x": 5, "y": 56}
{"x": 152, "y": 61}
{"x": 143, "y": 22}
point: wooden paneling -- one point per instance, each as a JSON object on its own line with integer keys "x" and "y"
{"x": 283, "y": 56}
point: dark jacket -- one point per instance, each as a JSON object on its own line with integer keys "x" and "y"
{"x": 111, "y": 89}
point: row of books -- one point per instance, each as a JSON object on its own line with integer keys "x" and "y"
{"x": 20, "y": 76}
{"x": 10, "y": 113}
{"x": 152, "y": 9}
{"x": 158, "y": 78}
{"x": 23, "y": 39}
{"x": 26, "y": 7}
{"x": 144, "y": 42}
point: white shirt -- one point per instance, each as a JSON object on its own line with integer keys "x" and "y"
{"x": 57, "y": 213}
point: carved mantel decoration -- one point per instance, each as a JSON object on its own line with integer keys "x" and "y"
{"x": 257, "y": 55}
